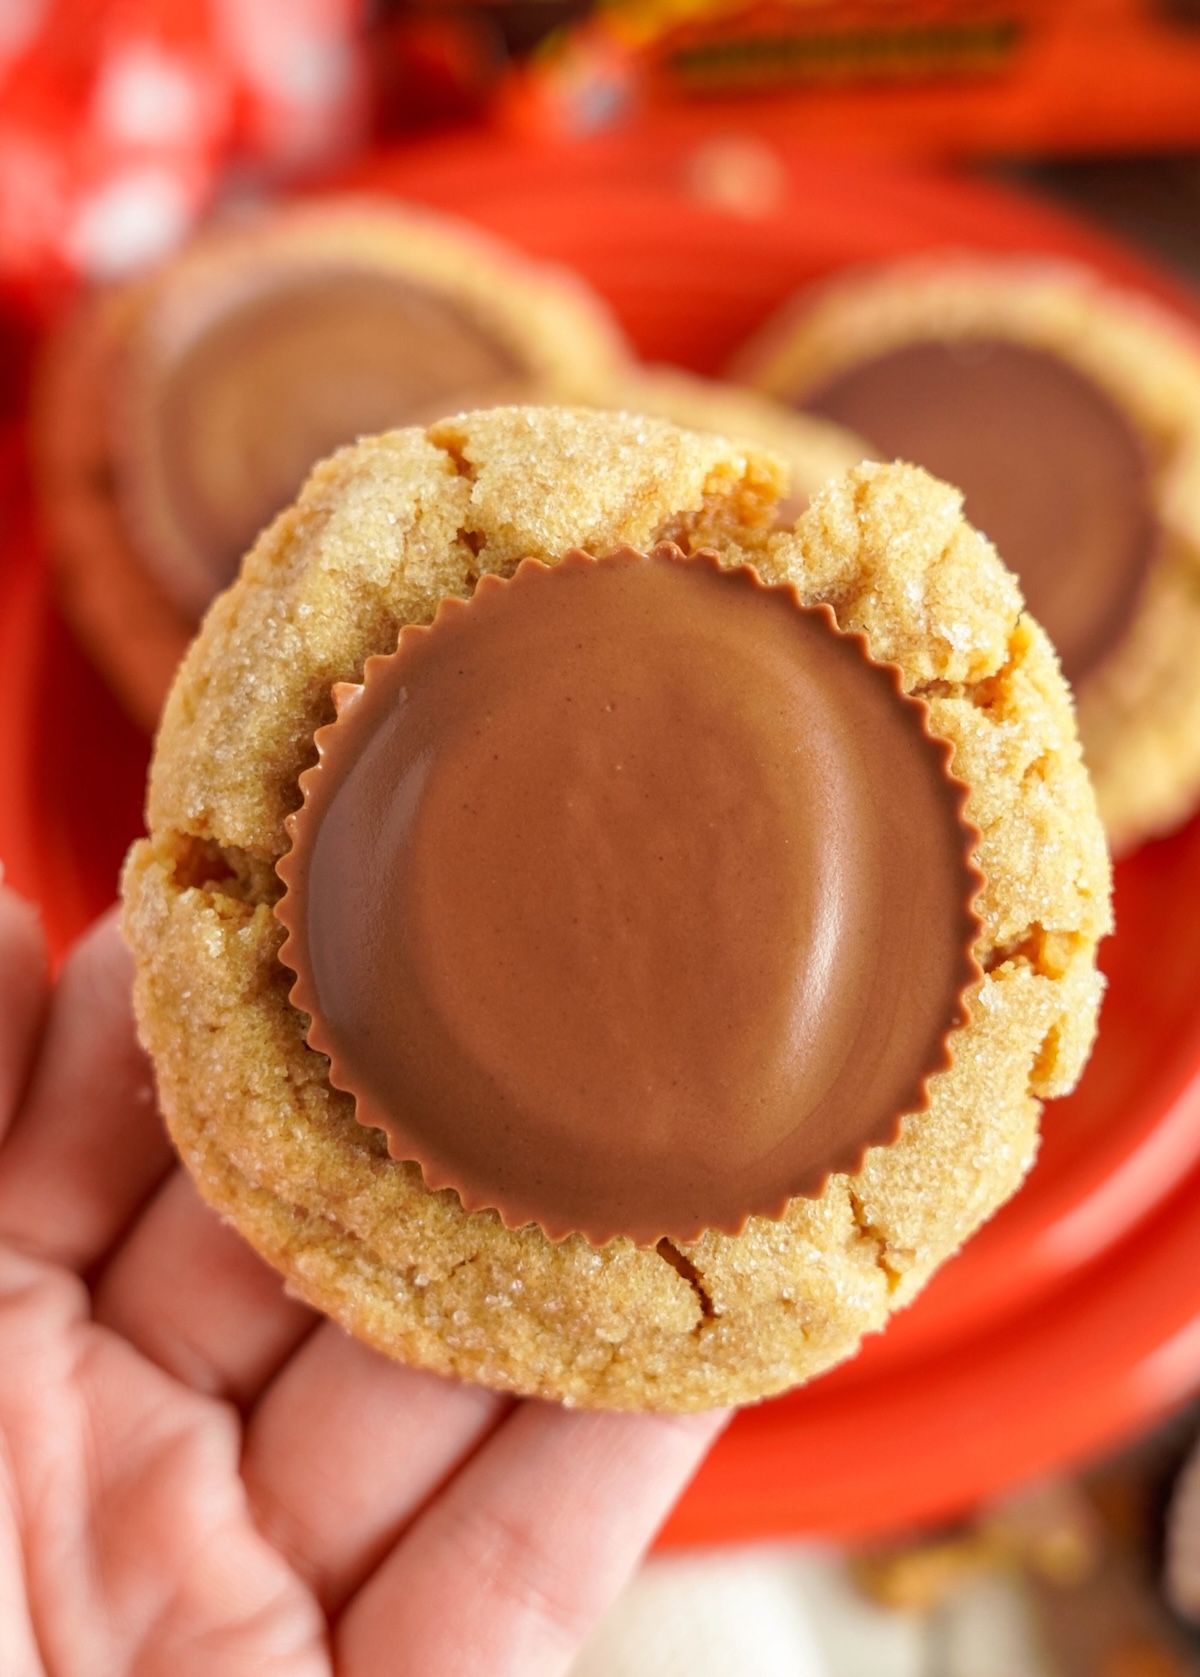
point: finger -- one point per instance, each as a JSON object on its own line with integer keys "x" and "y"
{"x": 345, "y": 1448}
{"x": 194, "y": 1298}
{"x": 24, "y": 989}
{"x": 506, "y": 1573}
{"x": 87, "y": 1144}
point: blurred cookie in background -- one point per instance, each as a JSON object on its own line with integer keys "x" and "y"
{"x": 1069, "y": 414}
{"x": 176, "y": 414}
{"x": 813, "y": 450}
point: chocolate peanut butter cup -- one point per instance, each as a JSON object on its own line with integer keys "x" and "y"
{"x": 1050, "y": 468}
{"x": 630, "y": 897}
{"x": 240, "y": 386}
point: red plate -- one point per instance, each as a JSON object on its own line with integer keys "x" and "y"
{"x": 1070, "y": 1318}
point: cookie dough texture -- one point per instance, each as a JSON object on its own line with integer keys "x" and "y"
{"x": 381, "y": 532}
{"x": 1139, "y": 712}
{"x": 812, "y": 450}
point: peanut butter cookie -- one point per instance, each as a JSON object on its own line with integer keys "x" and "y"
{"x": 356, "y": 608}
{"x": 178, "y": 413}
{"x": 1069, "y": 413}
{"x": 813, "y": 450}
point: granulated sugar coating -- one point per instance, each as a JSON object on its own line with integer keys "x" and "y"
{"x": 381, "y": 533}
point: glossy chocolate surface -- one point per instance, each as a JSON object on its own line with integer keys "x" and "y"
{"x": 630, "y": 898}
{"x": 1052, "y": 471}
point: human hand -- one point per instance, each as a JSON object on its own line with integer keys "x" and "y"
{"x": 197, "y": 1475}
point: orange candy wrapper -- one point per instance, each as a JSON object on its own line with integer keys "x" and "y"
{"x": 920, "y": 79}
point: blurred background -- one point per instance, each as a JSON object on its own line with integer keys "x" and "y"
{"x": 999, "y": 1486}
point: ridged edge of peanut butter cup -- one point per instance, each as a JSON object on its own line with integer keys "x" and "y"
{"x": 402, "y": 1147}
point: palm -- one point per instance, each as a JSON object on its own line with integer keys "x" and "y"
{"x": 197, "y": 1476}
